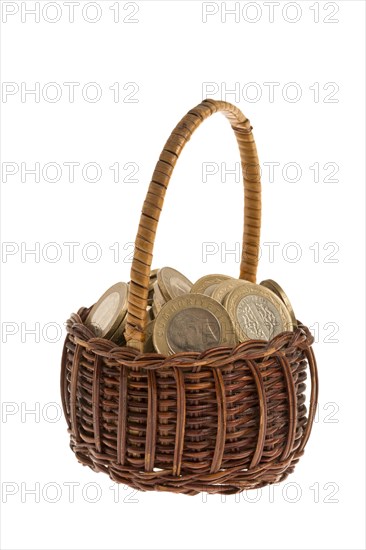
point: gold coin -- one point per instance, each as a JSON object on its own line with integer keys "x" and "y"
{"x": 148, "y": 343}
{"x": 278, "y": 290}
{"x": 118, "y": 336}
{"x": 158, "y": 295}
{"x": 222, "y": 290}
{"x": 192, "y": 322}
{"x": 225, "y": 299}
{"x": 257, "y": 313}
{"x": 107, "y": 314}
{"x": 172, "y": 283}
{"x": 158, "y": 300}
{"x": 150, "y": 298}
{"x": 207, "y": 284}
{"x": 149, "y": 314}
{"x": 154, "y": 309}
{"x": 153, "y": 277}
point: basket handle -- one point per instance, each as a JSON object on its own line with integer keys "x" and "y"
{"x": 144, "y": 243}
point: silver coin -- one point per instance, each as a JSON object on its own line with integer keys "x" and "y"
{"x": 259, "y": 318}
{"x": 172, "y": 283}
{"x": 108, "y": 313}
{"x": 193, "y": 328}
{"x": 192, "y": 322}
{"x": 257, "y": 313}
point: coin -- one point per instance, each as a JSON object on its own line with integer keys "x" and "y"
{"x": 257, "y": 313}
{"x": 158, "y": 300}
{"x": 172, "y": 283}
{"x": 208, "y": 283}
{"x": 118, "y": 336}
{"x": 223, "y": 289}
{"x": 149, "y": 314}
{"x": 150, "y": 298}
{"x": 192, "y": 322}
{"x": 225, "y": 299}
{"x": 107, "y": 314}
{"x": 153, "y": 273}
{"x": 278, "y": 290}
{"x": 154, "y": 310}
{"x": 148, "y": 343}
{"x": 153, "y": 277}
{"x": 158, "y": 295}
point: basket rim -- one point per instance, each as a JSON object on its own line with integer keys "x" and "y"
{"x": 288, "y": 341}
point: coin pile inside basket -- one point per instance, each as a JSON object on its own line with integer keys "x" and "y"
{"x": 217, "y": 310}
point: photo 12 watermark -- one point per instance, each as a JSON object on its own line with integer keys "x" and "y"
{"x": 270, "y": 12}
{"x": 26, "y": 332}
{"x": 70, "y": 12}
{"x": 271, "y": 172}
{"x": 290, "y": 492}
{"x": 272, "y": 92}
{"x": 67, "y": 252}
{"x": 69, "y": 92}
{"x": 274, "y": 251}
{"x": 14, "y": 412}
{"x": 69, "y": 171}
{"x": 72, "y": 492}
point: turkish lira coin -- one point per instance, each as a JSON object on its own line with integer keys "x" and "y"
{"x": 109, "y": 311}
{"x": 192, "y": 322}
{"x": 172, "y": 283}
{"x": 208, "y": 283}
{"x": 278, "y": 290}
{"x": 257, "y": 313}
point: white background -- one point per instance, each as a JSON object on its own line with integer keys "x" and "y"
{"x": 170, "y": 53}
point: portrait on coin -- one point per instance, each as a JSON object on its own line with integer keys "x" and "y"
{"x": 193, "y": 329}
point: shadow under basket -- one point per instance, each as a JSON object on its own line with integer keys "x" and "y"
{"x": 219, "y": 421}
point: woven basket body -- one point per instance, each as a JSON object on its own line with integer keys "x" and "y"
{"x": 220, "y": 421}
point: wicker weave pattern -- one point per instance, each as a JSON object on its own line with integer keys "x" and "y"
{"x": 219, "y": 421}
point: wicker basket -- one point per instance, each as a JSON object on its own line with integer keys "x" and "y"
{"x": 220, "y": 421}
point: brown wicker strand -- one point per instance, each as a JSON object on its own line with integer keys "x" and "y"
{"x": 291, "y": 391}
{"x": 309, "y": 354}
{"x": 151, "y": 422}
{"x": 63, "y": 385}
{"x": 122, "y": 417}
{"x": 95, "y": 402}
{"x": 221, "y": 421}
{"x": 73, "y": 391}
{"x": 181, "y": 418}
{"x": 262, "y": 413}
